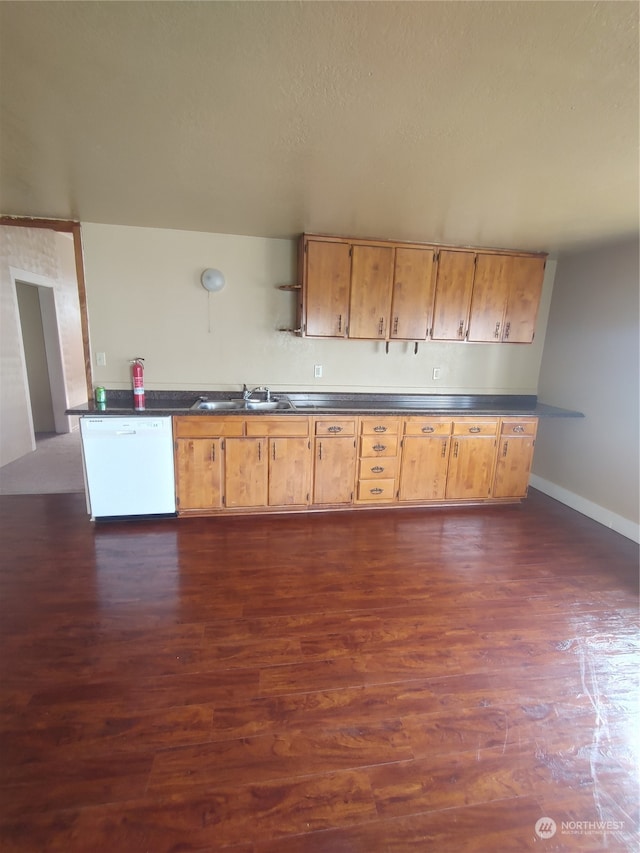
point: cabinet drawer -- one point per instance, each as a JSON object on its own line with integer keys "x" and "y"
{"x": 378, "y": 445}
{"x": 379, "y": 426}
{"x": 336, "y": 427}
{"x": 206, "y": 426}
{"x": 284, "y": 427}
{"x": 475, "y": 427}
{"x": 378, "y": 469}
{"x": 376, "y": 490}
{"x": 519, "y": 427}
{"x": 427, "y": 426}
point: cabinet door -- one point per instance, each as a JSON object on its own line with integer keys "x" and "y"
{"x": 513, "y": 467}
{"x": 371, "y": 279}
{"x": 413, "y": 289}
{"x": 454, "y": 283}
{"x": 423, "y": 470}
{"x": 326, "y": 289}
{"x": 471, "y": 466}
{"x": 523, "y": 302}
{"x": 198, "y": 473}
{"x": 289, "y": 471}
{"x": 245, "y": 472}
{"x": 334, "y": 470}
{"x": 489, "y": 300}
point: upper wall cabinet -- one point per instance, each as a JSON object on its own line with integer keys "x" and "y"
{"x": 381, "y": 290}
{"x": 506, "y": 295}
{"x": 326, "y": 285}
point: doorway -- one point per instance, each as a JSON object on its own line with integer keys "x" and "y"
{"x": 42, "y": 357}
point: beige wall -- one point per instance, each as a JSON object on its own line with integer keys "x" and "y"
{"x": 45, "y": 257}
{"x": 145, "y": 298}
{"x": 590, "y": 363}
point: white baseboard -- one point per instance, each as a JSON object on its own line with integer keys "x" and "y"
{"x": 595, "y": 511}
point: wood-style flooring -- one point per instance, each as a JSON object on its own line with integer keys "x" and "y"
{"x": 370, "y": 682}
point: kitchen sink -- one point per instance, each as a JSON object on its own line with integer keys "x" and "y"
{"x": 275, "y": 404}
{"x": 219, "y": 405}
{"x": 268, "y": 405}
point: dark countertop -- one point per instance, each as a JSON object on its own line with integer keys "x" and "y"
{"x": 162, "y": 403}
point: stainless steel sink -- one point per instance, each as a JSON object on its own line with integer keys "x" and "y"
{"x": 219, "y": 405}
{"x": 275, "y": 404}
{"x": 268, "y": 405}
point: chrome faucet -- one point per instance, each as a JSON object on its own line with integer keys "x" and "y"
{"x": 247, "y": 395}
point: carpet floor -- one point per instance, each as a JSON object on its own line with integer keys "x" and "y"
{"x": 54, "y": 467}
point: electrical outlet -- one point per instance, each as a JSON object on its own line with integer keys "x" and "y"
{"x": 437, "y": 373}
{"x": 317, "y": 371}
{"x": 101, "y": 359}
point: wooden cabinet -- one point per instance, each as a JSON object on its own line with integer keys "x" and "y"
{"x": 198, "y": 463}
{"x": 326, "y": 285}
{"x": 523, "y": 300}
{"x": 454, "y": 284}
{"x": 378, "y": 459}
{"x": 413, "y": 291}
{"x": 245, "y": 472}
{"x": 384, "y": 290}
{"x": 472, "y": 458}
{"x": 515, "y": 455}
{"x": 506, "y": 295}
{"x": 371, "y": 280}
{"x": 198, "y": 460}
{"x": 275, "y": 462}
{"x": 289, "y": 471}
{"x": 242, "y": 463}
{"x": 425, "y": 459}
{"x": 334, "y": 460}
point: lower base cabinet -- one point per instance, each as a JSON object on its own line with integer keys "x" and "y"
{"x": 334, "y": 461}
{"x": 515, "y": 455}
{"x": 236, "y": 464}
{"x": 198, "y": 465}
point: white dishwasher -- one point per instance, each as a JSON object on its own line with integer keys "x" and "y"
{"x": 128, "y": 465}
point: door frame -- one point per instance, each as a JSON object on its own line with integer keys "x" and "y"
{"x": 70, "y": 227}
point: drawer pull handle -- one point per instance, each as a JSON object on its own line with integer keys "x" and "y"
{"x": 518, "y": 428}
{"x": 505, "y": 448}
{"x": 496, "y": 334}
{"x": 507, "y": 330}
{"x": 259, "y": 451}
{"x": 380, "y": 429}
{"x": 475, "y": 429}
{"x": 376, "y": 491}
{"x": 444, "y": 449}
{"x": 455, "y": 450}
{"x": 379, "y": 447}
{"x": 334, "y": 429}
{"x": 377, "y": 469}
{"x": 381, "y": 327}
{"x": 428, "y": 429}
{"x": 395, "y": 325}
{"x": 339, "y": 322}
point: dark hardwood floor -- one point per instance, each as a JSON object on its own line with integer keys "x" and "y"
{"x": 379, "y": 682}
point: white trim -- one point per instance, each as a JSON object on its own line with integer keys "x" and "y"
{"x": 598, "y": 513}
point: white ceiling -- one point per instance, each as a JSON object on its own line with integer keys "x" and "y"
{"x": 506, "y": 124}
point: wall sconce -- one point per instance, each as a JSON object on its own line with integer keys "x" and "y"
{"x": 212, "y": 280}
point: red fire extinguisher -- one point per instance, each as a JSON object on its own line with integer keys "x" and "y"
{"x": 137, "y": 372}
